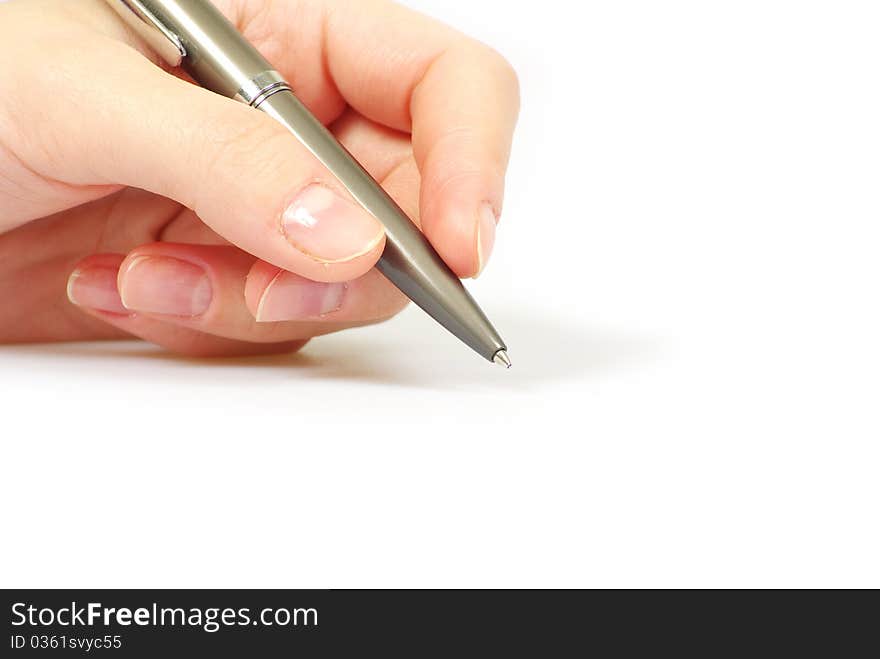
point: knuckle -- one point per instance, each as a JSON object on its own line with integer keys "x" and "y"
{"x": 239, "y": 149}
{"x": 240, "y": 141}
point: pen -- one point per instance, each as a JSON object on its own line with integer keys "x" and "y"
{"x": 194, "y": 35}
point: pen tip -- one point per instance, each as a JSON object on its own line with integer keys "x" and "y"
{"x": 502, "y": 359}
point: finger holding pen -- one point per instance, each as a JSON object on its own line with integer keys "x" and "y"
{"x": 93, "y": 114}
{"x": 243, "y": 174}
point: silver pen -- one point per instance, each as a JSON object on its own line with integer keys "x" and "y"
{"x": 194, "y": 35}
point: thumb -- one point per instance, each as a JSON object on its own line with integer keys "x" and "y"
{"x": 118, "y": 119}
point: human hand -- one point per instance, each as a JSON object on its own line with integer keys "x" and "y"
{"x": 134, "y": 203}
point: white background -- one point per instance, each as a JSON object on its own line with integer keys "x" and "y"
{"x": 687, "y": 277}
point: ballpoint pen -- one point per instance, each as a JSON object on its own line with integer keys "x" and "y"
{"x": 195, "y": 36}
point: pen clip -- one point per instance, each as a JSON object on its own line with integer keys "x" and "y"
{"x": 137, "y": 15}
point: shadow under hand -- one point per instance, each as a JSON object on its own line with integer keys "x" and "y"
{"x": 410, "y": 351}
{"x": 418, "y": 353}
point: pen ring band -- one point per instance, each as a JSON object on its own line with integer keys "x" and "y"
{"x": 258, "y": 88}
{"x": 277, "y": 87}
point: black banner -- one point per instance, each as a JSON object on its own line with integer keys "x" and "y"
{"x": 314, "y": 623}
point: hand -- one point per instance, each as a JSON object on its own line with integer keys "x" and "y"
{"x": 134, "y": 203}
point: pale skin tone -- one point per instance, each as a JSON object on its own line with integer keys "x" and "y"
{"x": 134, "y": 203}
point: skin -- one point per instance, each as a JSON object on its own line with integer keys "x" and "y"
{"x": 108, "y": 157}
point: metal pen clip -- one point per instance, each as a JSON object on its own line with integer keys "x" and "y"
{"x": 249, "y": 79}
{"x": 140, "y": 19}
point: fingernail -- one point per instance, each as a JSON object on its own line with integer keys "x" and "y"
{"x": 164, "y": 285}
{"x": 95, "y": 288}
{"x": 486, "y": 222}
{"x": 291, "y": 297}
{"x": 329, "y": 228}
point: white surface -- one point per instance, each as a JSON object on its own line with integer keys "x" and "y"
{"x": 687, "y": 278}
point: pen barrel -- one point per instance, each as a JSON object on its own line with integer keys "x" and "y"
{"x": 196, "y": 36}
{"x": 408, "y": 261}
